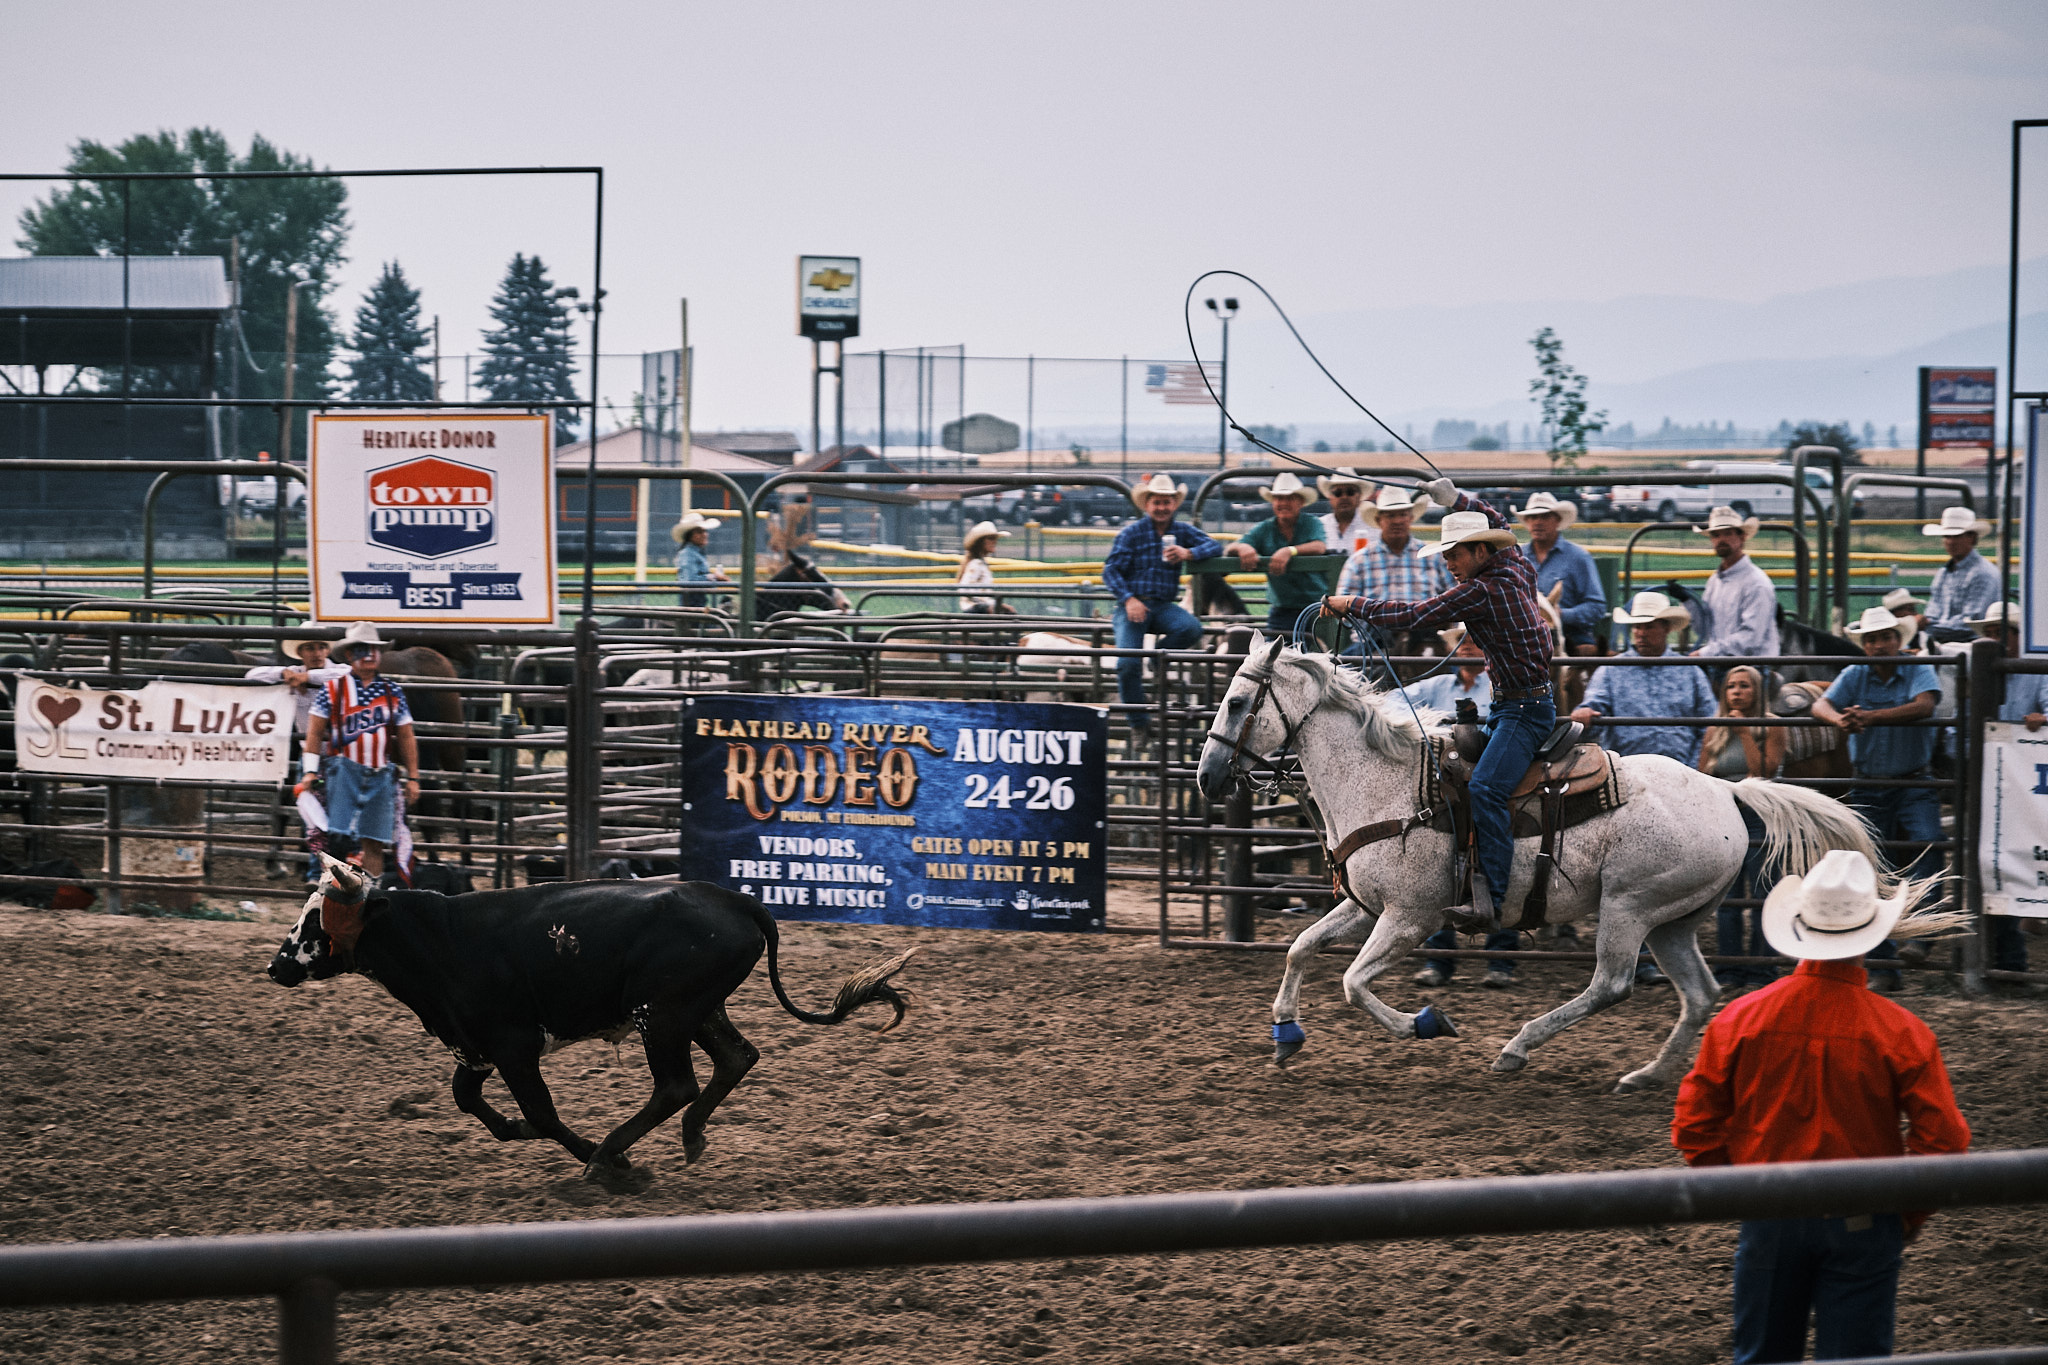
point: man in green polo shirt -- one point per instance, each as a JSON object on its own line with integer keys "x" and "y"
{"x": 1279, "y": 539}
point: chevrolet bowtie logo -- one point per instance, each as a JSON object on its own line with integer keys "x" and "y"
{"x": 830, "y": 279}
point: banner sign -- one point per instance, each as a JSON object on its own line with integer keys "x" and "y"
{"x": 433, "y": 517}
{"x": 167, "y": 731}
{"x": 963, "y": 815}
{"x": 1958, "y": 407}
{"x": 828, "y": 297}
{"x": 1948, "y": 430}
{"x": 2012, "y": 856}
{"x": 1962, "y": 388}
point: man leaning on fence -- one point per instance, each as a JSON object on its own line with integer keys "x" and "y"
{"x": 1142, "y": 572}
{"x": 1393, "y": 567}
{"x": 1280, "y": 538}
{"x": 1741, "y": 604}
{"x": 1815, "y": 1068}
{"x": 1634, "y": 690}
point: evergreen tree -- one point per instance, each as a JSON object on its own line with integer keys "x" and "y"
{"x": 387, "y": 338}
{"x": 286, "y": 229}
{"x": 529, "y": 358}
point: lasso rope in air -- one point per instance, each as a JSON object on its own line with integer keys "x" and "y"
{"x": 1188, "y": 320}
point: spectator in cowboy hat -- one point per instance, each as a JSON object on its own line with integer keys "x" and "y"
{"x": 1347, "y": 527}
{"x": 2025, "y": 703}
{"x": 1742, "y": 606}
{"x": 360, "y": 724}
{"x": 1392, "y": 566}
{"x": 1967, "y": 586}
{"x": 693, "y": 533}
{"x": 1901, "y": 603}
{"x": 306, "y": 677}
{"x": 1875, "y": 705}
{"x": 1633, "y": 690}
{"x": 1815, "y": 1068}
{"x": 976, "y": 546}
{"x": 1142, "y": 572}
{"x": 1280, "y": 538}
{"x": 1583, "y": 603}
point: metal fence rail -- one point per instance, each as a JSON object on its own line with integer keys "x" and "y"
{"x": 306, "y": 1271}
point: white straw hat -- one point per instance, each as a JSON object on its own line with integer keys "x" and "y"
{"x": 1452, "y": 636}
{"x": 1875, "y": 619}
{"x": 1468, "y": 528}
{"x": 981, "y": 530}
{"x": 2006, "y": 614}
{"x": 1646, "y": 607}
{"x": 360, "y": 633}
{"x": 1158, "y": 483}
{"x": 1832, "y": 912}
{"x": 692, "y": 521}
{"x": 1727, "y": 519}
{"x": 1342, "y": 476}
{"x": 1388, "y": 499}
{"x": 290, "y": 648}
{"x": 1956, "y": 521}
{"x": 1284, "y": 484}
{"x": 1545, "y": 501}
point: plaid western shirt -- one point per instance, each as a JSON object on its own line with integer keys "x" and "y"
{"x": 1132, "y": 568}
{"x": 1394, "y": 575}
{"x": 1497, "y": 605}
{"x": 1963, "y": 591}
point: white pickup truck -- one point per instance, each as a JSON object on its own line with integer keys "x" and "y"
{"x": 1692, "y": 501}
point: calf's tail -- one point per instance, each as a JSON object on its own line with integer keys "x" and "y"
{"x": 864, "y": 987}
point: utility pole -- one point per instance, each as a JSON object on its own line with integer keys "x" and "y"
{"x": 683, "y": 402}
{"x": 291, "y": 346}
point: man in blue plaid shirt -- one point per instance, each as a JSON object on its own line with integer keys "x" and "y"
{"x": 1142, "y": 572}
{"x": 1393, "y": 568}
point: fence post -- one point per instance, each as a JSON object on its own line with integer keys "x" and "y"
{"x": 305, "y": 1323}
{"x": 1237, "y": 813}
{"x": 1986, "y": 690}
{"x": 505, "y": 765}
{"x": 585, "y": 765}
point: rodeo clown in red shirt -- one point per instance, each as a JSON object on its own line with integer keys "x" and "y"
{"x": 1814, "y": 1067}
{"x": 357, "y": 726}
{"x": 1495, "y": 597}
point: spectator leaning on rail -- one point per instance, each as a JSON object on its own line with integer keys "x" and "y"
{"x": 1814, "y": 1068}
{"x": 693, "y": 532}
{"x": 1874, "y": 704}
{"x": 1742, "y": 606}
{"x": 1142, "y": 572}
{"x": 976, "y": 546}
{"x": 1495, "y": 597}
{"x": 1631, "y": 690}
{"x": 1280, "y": 538}
{"x": 305, "y": 678}
{"x": 1732, "y": 753}
{"x": 1347, "y": 526}
{"x": 1583, "y": 603}
{"x": 363, "y": 723}
{"x": 1966, "y": 588}
{"x": 1393, "y": 567}
{"x": 2025, "y": 703}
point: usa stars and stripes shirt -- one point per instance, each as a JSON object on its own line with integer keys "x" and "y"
{"x": 360, "y": 718}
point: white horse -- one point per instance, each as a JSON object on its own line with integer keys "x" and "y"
{"x": 1654, "y": 868}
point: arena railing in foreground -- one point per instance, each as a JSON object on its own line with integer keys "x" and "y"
{"x": 308, "y": 1271}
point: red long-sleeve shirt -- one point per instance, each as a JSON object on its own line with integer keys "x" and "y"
{"x": 1814, "y": 1068}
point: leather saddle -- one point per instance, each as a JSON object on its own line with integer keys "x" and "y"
{"x": 1570, "y": 782}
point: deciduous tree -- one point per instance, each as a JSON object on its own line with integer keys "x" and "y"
{"x": 1560, "y": 392}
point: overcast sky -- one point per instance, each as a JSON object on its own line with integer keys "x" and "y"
{"x": 1049, "y": 177}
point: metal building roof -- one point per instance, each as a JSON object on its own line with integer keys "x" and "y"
{"x": 74, "y": 284}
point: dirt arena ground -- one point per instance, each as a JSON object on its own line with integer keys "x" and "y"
{"x": 154, "y": 1083}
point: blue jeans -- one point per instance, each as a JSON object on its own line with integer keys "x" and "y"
{"x": 1905, "y": 813}
{"x": 1729, "y": 920}
{"x": 360, "y": 801}
{"x": 1789, "y": 1268}
{"x": 1516, "y": 728}
{"x": 1499, "y": 941}
{"x": 1176, "y": 628}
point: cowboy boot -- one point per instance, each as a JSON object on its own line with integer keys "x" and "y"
{"x": 1480, "y": 914}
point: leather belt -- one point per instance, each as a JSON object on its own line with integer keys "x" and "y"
{"x": 1522, "y": 693}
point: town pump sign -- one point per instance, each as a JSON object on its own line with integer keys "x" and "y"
{"x": 433, "y": 517}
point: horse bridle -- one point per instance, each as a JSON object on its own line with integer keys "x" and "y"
{"x": 1239, "y": 770}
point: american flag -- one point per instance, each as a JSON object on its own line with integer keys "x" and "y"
{"x": 1181, "y": 382}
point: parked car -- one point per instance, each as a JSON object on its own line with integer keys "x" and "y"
{"x": 1691, "y": 501}
{"x": 257, "y": 497}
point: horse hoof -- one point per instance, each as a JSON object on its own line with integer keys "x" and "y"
{"x": 1634, "y": 1081}
{"x": 1283, "y": 1051}
{"x": 602, "y": 1167}
{"x": 692, "y": 1149}
{"x": 1508, "y": 1061}
{"x": 1431, "y": 1022}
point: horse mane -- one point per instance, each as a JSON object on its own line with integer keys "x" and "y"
{"x": 1390, "y": 725}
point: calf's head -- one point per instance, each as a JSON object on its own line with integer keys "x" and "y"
{"x": 322, "y": 943}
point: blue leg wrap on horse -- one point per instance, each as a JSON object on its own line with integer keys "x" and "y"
{"x": 1432, "y": 1022}
{"x": 1289, "y": 1032}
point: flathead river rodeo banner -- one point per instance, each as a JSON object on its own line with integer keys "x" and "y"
{"x": 966, "y": 815}
{"x": 442, "y": 517}
{"x": 167, "y": 731}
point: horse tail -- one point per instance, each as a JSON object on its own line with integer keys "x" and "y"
{"x": 1801, "y": 824}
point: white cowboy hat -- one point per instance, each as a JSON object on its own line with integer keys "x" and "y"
{"x": 1832, "y": 912}
{"x": 2006, "y": 614}
{"x": 1901, "y": 603}
{"x": 1956, "y": 521}
{"x": 1340, "y": 477}
{"x": 1284, "y": 485}
{"x": 1727, "y": 519}
{"x": 1389, "y": 499}
{"x": 360, "y": 633}
{"x": 1545, "y": 501}
{"x": 1646, "y": 607}
{"x": 290, "y": 648}
{"x": 981, "y": 530}
{"x": 1467, "y": 528}
{"x": 692, "y": 521}
{"x": 1158, "y": 483}
{"x": 1875, "y": 619}
{"x": 1452, "y": 636}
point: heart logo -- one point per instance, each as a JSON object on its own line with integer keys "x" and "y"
{"x": 56, "y": 710}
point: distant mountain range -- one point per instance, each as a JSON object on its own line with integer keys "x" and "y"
{"x": 1844, "y": 352}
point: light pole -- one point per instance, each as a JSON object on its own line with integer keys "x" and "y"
{"x": 1224, "y": 315}
{"x": 291, "y": 347}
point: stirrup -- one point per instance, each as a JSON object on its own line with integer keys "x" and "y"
{"x": 1469, "y": 918}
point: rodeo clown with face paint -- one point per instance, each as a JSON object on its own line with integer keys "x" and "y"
{"x": 1495, "y": 596}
